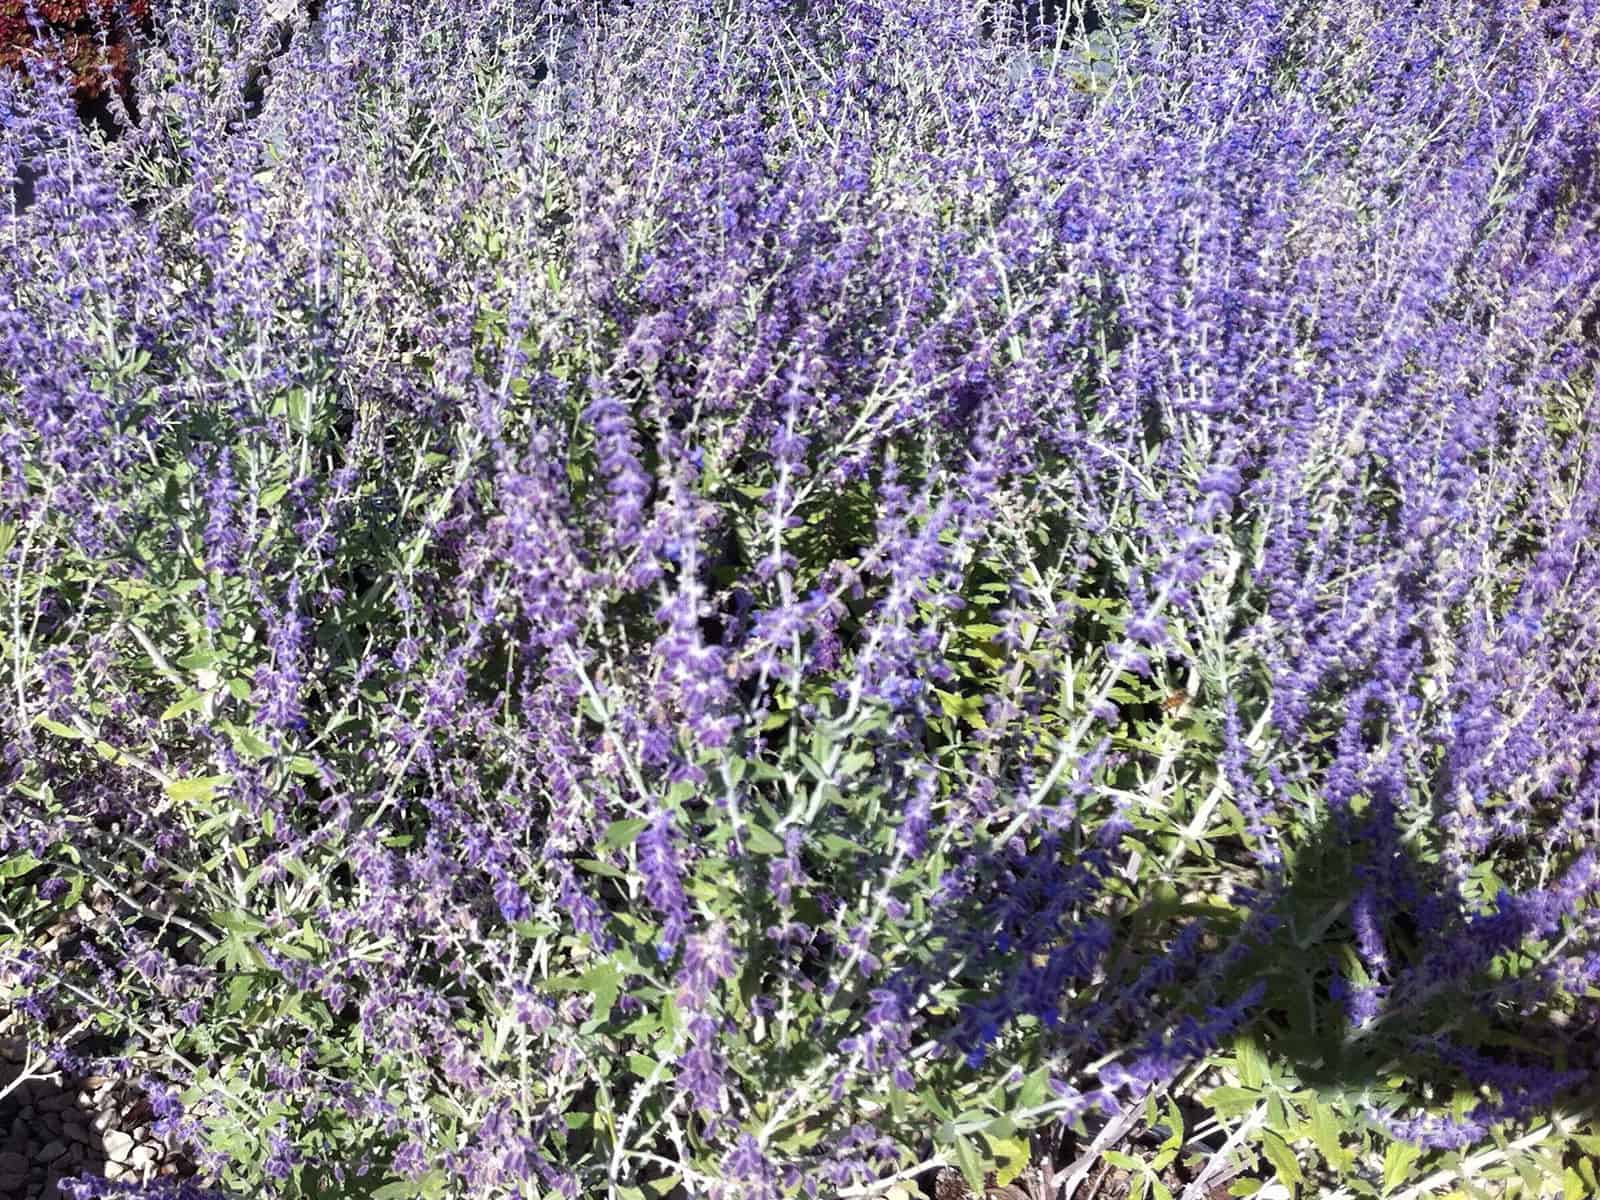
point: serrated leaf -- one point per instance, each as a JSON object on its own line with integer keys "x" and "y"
{"x": 1282, "y": 1157}
{"x": 1324, "y": 1129}
{"x": 1397, "y": 1160}
{"x": 1009, "y": 1152}
{"x": 971, "y": 1164}
{"x": 1229, "y": 1101}
{"x": 1250, "y": 1062}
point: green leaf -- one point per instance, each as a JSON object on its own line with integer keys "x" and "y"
{"x": 1010, "y": 1154}
{"x": 238, "y": 922}
{"x": 644, "y": 1067}
{"x": 834, "y": 846}
{"x": 17, "y": 865}
{"x": 200, "y": 789}
{"x": 1033, "y": 1090}
{"x": 1227, "y": 1101}
{"x": 1397, "y": 1160}
{"x": 855, "y": 762}
{"x": 622, "y": 833}
{"x": 239, "y": 992}
{"x": 761, "y": 841}
{"x": 249, "y": 744}
{"x": 1325, "y": 1136}
{"x": 604, "y": 981}
{"x": 970, "y": 1163}
{"x": 931, "y": 1101}
{"x": 188, "y": 704}
{"x": 399, "y": 1190}
{"x": 596, "y": 867}
{"x": 1282, "y": 1157}
{"x": 110, "y": 753}
{"x": 1174, "y": 1119}
{"x": 1250, "y": 1062}
{"x": 57, "y": 728}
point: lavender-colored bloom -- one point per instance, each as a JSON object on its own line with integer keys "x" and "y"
{"x": 563, "y": 539}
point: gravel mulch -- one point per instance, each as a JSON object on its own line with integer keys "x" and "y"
{"x": 55, "y": 1126}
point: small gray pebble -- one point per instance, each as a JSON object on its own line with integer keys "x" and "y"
{"x": 49, "y": 1152}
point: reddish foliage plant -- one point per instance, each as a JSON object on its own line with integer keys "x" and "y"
{"x": 90, "y": 37}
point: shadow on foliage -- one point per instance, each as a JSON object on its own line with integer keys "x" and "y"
{"x": 1359, "y": 973}
{"x": 1376, "y": 971}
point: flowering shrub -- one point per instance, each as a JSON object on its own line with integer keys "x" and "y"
{"x": 90, "y": 38}
{"x": 753, "y": 598}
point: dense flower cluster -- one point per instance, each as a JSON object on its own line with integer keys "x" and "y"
{"x": 601, "y": 596}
